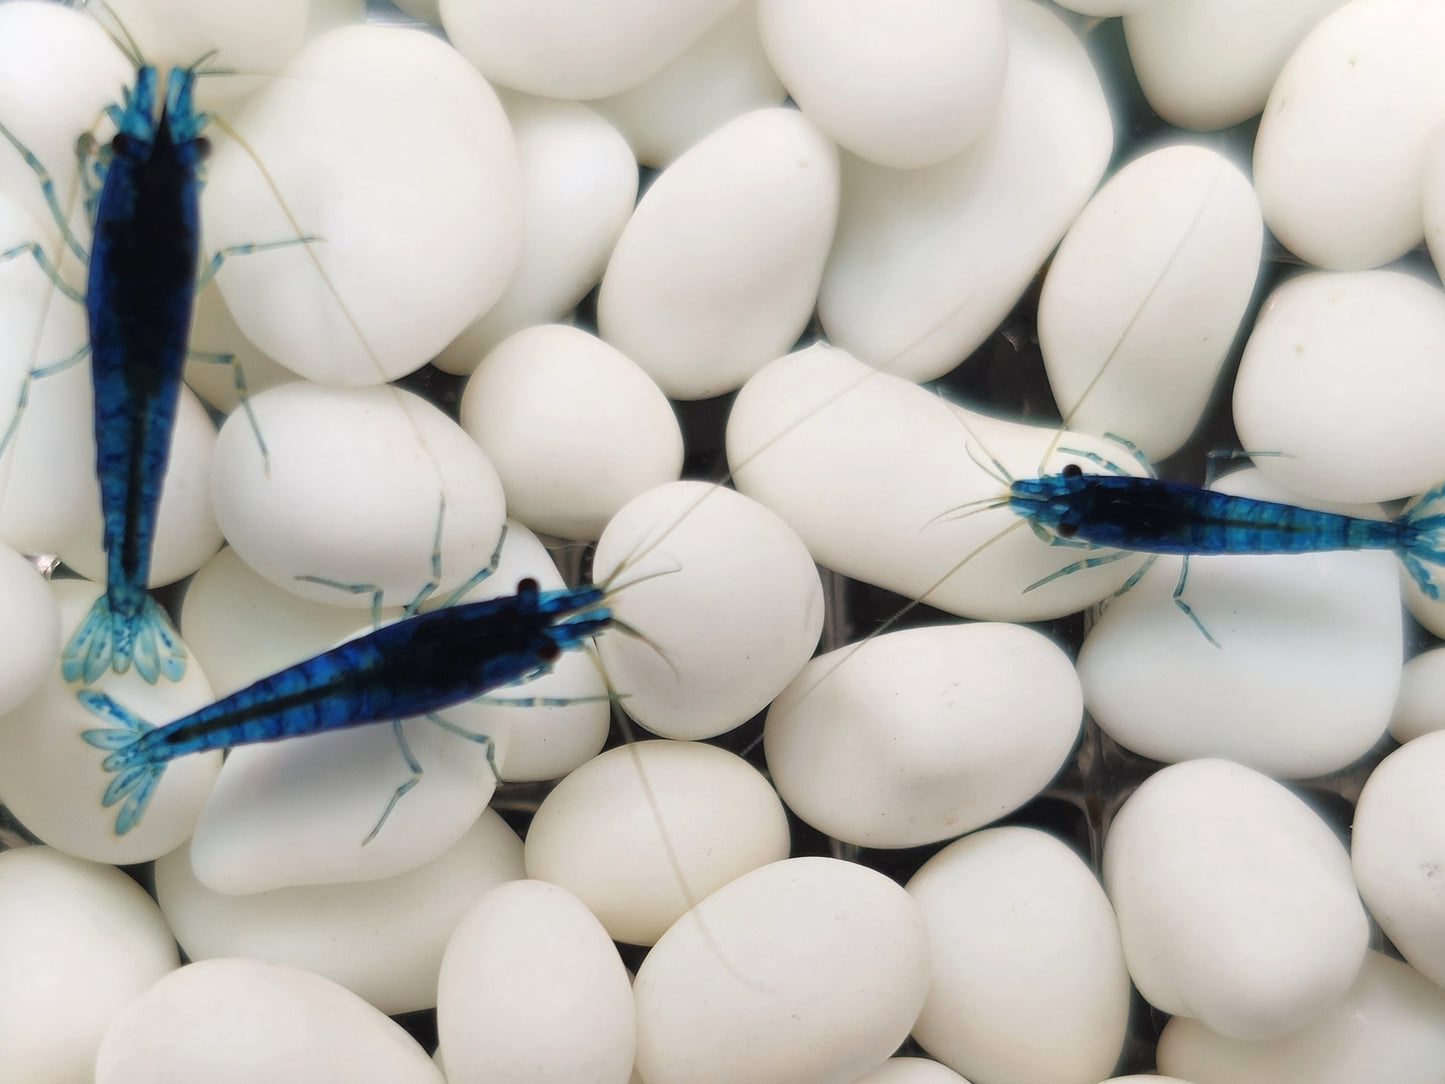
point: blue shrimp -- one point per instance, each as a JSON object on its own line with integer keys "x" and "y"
{"x": 416, "y": 666}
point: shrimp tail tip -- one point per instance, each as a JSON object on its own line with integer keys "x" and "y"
{"x": 135, "y": 775}
{"x": 110, "y": 640}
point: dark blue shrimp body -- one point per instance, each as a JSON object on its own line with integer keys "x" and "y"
{"x": 138, "y": 303}
{"x": 413, "y": 667}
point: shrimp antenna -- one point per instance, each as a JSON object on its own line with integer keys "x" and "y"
{"x": 116, "y": 30}
{"x": 962, "y": 511}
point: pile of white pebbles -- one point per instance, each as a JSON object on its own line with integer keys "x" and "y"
{"x": 905, "y": 170}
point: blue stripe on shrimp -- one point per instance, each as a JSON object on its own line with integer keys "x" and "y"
{"x": 416, "y": 666}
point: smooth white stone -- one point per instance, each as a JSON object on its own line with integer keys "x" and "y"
{"x": 52, "y": 780}
{"x": 387, "y": 147}
{"x": 600, "y": 833}
{"x": 560, "y": 50}
{"x": 1433, "y": 199}
{"x": 1028, "y": 973}
{"x": 1211, "y": 63}
{"x": 574, "y": 428}
{"x": 214, "y": 330}
{"x": 1340, "y": 154}
{"x": 80, "y": 942}
{"x": 911, "y": 1071}
{"x": 1145, "y": 294}
{"x": 186, "y": 534}
{"x": 30, "y": 635}
{"x": 721, "y": 75}
{"x": 1341, "y": 382}
{"x": 902, "y": 85}
{"x": 1235, "y": 900}
{"x": 1305, "y": 674}
{"x": 727, "y": 593}
{"x": 928, "y": 262}
{"x": 242, "y": 1021}
{"x": 382, "y": 940}
{"x": 1420, "y": 707}
{"x": 807, "y": 969}
{"x": 716, "y": 272}
{"x": 1390, "y": 1026}
{"x": 356, "y": 480}
{"x": 259, "y": 37}
{"x": 579, "y": 183}
{"x": 918, "y": 736}
{"x": 867, "y": 469}
{"x": 1398, "y": 849}
{"x": 531, "y": 989}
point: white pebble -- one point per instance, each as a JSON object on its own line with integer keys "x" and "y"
{"x": 531, "y": 989}
{"x": 903, "y": 85}
{"x": 579, "y": 183}
{"x": 645, "y": 831}
{"x": 80, "y": 942}
{"x": 1390, "y": 1026}
{"x": 573, "y": 427}
{"x": 723, "y": 74}
{"x": 1304, "y": 675}
{"x": 559, "y": 50}
{"x": 1420, "y": 707}
{"x": 1434, "y": 198}
{"x": 52, "y": 780}
{"x": 1211, "y": 63}
{"x": 716, "y": 272}
{"x": 1028, "y": 974}
{"x": 382, "y": 940}
{"x": 917, "y": 736}
{"x": 1147, "y": 291}
{"x": 390, "y": 150}
{"x": 355, "y": 484}
{"x": 1235, "y": 900}
{"x": 259, "y": 37}
{"x": 911, "y": 1071}
{"x": 927, "y": 262}
{"x": 214, "y": 330}
{"x": 808, "y": 969}
{"x": 1340, "y": 154}
{"x": 30, "y": 637}
{"x": 1340, "y": 382}
{"x": 242, "y": 1021}
{"x": 727, "y": 593}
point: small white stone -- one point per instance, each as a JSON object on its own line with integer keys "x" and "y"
{"x": 1028, "y": 974}
{"x": 1341, "y": 383}
{"x": 30, "y": 636}
{"x": 80, "y": 942}
{"x": 574, "y": 428}
{"x": 242, "y": 1021}
{"x": 903, "y": 85}
{"x": 600, "y": 833}
{"x": 246, "y": 38}
{"x": 382, "y": 940}
{"x": 214, "y": 330}
{"x": 721, "y": 75}
{"x": 1340, "y": 154}
{"x": 928, "y": 262}
{"x": 911, "y": 1071}
{"x": 1420, "y": 707}
{"x": 1235, "y": 901}
{"x": 807, "y": 969}
{"x": 1145, "y": 295}
{"x": 579, "y": 183}
{"x": 716, "y": 272}
{"x": 917, "y": 736}
{"x": 727, "y": 593}
{"x": 389, "y": 150}
{"x": 1390, "y": 1026}
{"x": 531, "y": 989}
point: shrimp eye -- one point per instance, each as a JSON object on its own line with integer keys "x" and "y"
{"x": 527, "y": 586}
{"x": 549, "y": 652}
{"x": 1071, "y": 470}
{"x": 1065, "y": 529}
{"x": 124, "y": 145}
{"x": 202, "y": 146}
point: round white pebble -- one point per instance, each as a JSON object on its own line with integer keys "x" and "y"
{"x": 1420, "y": 707}
{"x": 1028, "y": 974}
{"x": 913, "y": 737}
{"x": 1235, "y": 901}
{"x": 805, "y": 969}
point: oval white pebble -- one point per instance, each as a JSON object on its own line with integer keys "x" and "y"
{"x": 1235, "y": 901}
{"x": 1420, "y": 707}
{"x": 911, "y": 1071}
{"x": 242, "y": 1021}
{"x": 902, "y": 84}
{"x": 80, "y": 942}
{"x": 717, "y": 270}
{"x": 531, "y": 989}
{"x": 1028, "y": 974}
{"x": 573, "y": 427}
{"x": 805, "y": 969}
{"x": 917, "y": 736}
{"x": 600, "y": 833}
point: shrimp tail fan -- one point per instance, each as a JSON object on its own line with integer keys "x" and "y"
{"x": 136, "y": 773}
{"x": 111, "y": 639}
{"x": 1424, "y": 552}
